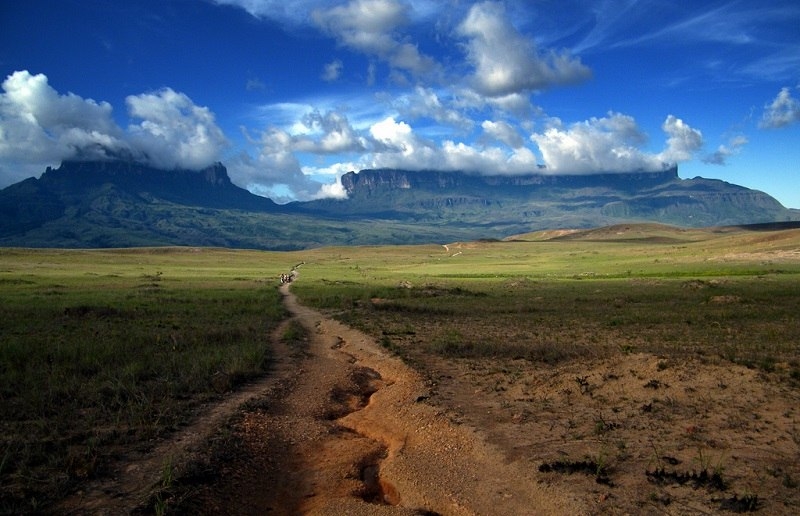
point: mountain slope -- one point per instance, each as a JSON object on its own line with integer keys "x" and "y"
{"x": 122, "y": 203}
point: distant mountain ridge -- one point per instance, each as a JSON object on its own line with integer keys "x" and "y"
{"x": 374, "y": 179}
{"x": 551, "y": 201}
{"x": 122, "y": 203}
{"x": 210, "y": 187}
{"x": 77, "y": 203}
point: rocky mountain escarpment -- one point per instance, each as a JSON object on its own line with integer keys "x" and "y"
{"x": 124, "y": 203}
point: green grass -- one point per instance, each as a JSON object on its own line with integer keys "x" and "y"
{"x": 102, "y": 350}
{"x": 727, "y": 294}
{"x": 748, "y": 318}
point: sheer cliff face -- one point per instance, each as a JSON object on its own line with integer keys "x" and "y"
{"x": 546, "y": 201}
{"x": 368, "y": 181}
{"x": 133, "y": 173}
{"x": 210, "y": 187}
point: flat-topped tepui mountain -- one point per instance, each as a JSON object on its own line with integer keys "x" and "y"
{"x": 122, "y": 203}
{"x": 550, "y": 201}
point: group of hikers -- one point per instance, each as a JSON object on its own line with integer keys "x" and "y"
{"x": 288, "y": 277}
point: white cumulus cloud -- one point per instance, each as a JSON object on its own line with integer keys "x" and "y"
{"x": 507, "y": 62}
{"x": 174, "y": 132}
{"x": 370, "y": 27}
{"x": 683, "y": 142}
{"x": 399, "y": 147}
{"x": 504, "y": 132}
{"x": 782, "y": 111}
{"x": 335, "y": 135}
{"x": 396, "y": 137}
{"x": 427, "y": 103}
{"x": 331, "y": 190}
{"x": 40, "y": 127}
{"x": 613, "y": 144}
{"x": 609, "y": 144}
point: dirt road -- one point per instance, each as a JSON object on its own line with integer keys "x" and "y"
{"x": 340, "y": 426}
{"x": 348, "y": 431}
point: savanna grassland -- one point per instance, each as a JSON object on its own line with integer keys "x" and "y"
{"x": 647, "y": 368}
{"x": 553, "y": 296}
{"x": 104, "y": 352}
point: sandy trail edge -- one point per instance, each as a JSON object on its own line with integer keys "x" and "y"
{"x": 431, "y": 462}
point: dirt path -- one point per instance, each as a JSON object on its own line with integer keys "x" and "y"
{"x": 351, "y": 433}
{"x": 341, "y": 428}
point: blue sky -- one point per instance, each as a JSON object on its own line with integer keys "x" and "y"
{"x": 289, "y": 95}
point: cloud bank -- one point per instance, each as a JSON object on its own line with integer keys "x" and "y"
{"x": 475, "y": 115}
{"x": 38, "y": 126}
{"x": 614, "y": 144}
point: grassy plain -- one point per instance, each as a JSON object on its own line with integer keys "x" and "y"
{"x": 648, "y": 288}
{"x": 103, "y": 351}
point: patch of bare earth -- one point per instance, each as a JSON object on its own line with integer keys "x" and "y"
{"x": 636, "y": 434}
